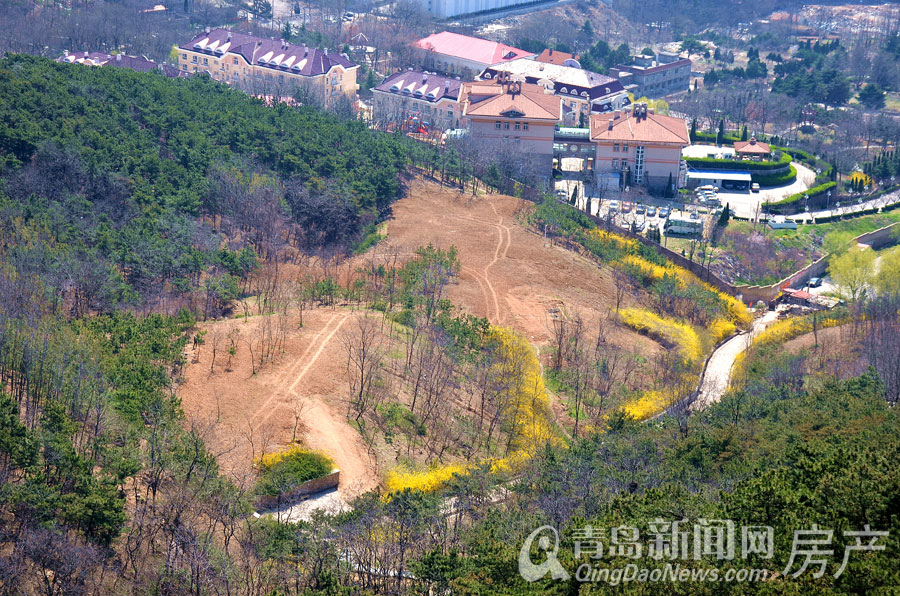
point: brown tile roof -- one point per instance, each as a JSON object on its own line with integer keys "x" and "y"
{"x": 549, "y": 56}
{"x": 751, "y": 147}
{"x": 495, "y": 100}
{"x": 651, "y": 128}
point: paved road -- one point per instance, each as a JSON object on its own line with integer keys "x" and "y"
{"x": 881, "y": 202}
{"x": 717, "y": 375}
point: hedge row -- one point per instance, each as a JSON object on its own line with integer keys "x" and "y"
{"x": 775, "y": 179}
{"x": 734, "y": 164}
{"x": 711, "y": 137}
{"x": 813, "y": 192}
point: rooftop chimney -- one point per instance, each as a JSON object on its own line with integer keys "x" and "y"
{"x": 610, "y": 124}
{"x": 207, "y": 30}
{"x": 118, "y": 57}
{"x": 229, "y": 36}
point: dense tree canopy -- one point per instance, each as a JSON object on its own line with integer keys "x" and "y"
{"x": 122, "y": 175}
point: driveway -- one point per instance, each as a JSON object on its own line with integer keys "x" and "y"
{"x": 748, "y": 204}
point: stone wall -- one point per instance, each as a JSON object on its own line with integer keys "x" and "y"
{"x": 310, "y": 487}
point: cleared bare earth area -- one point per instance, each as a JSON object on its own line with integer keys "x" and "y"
{"x": 509, "y": 274}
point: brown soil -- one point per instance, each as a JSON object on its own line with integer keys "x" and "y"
{"x": 509, "y": 275}
{"x": 249, "y": 415}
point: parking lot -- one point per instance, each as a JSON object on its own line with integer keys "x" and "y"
{"x": 638, "y": 209}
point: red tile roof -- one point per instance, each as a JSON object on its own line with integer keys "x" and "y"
{"x": 495, "y": 100}
{"x": 651, "y": 128}
{"x": 751, "y": 147}
{"x": 474, "y": 49}
{"x": 548, "y": 56}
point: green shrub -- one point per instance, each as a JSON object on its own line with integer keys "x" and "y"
{"x": 813, "y": 192}
{"x": 736, "y": 164}
{"x": 290, "y": 471}
{"x": 775, "y": 179}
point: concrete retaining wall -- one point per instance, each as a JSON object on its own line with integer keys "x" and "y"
{"x": 316, "y": 485}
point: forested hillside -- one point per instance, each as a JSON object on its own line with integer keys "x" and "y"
{"x": 124, "y": 187}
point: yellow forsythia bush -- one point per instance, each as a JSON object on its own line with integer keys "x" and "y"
{"x": 785, "y": 330}
{"x": 680, "y": 334}
{"x": 720, "y": 329}
{"x": 270, "y": 459}
{"x": 425, "y": 481}
{"x": 647, "y": 405}
{"x": 620, "y": 241}
{"x": 526, "y": 412}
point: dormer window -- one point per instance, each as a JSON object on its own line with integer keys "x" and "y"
{"x": 563, "y": 90}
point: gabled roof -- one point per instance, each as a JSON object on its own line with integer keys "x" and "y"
{"x": 648, "y": 128}
{"x": 421, "y": 85}
{"x": 549, "y": 56}
{"x": 563, "y": 77}
{"x": 276, "y": 54}
{"x": 751, "y": 147}
{"x": 496, "y": 100}
{"x": 473, "y": 49}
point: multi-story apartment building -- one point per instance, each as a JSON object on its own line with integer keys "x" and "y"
{"x": 655, "y": 76}
{"x": 512, "y": 118}
{"x": 260, "y": 65}
{"x": 582, "y": 92}
{"x": 641, "y": 146}
{"x": 460, "y": 55}
{"x": 418, "y": 97}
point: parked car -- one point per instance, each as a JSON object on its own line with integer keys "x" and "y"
{"x": 641, "y": 209}
{"x": 694, "y": 215}
{"x": 651, "y": 211}
{"x": 626, "y": 207}
{"x": 561, "y": 193}
{"x": 815, "y": 282}
{"x": 754, "y": 187}
{"x": 613, "y": 206}
{"x": 664, "y": 212}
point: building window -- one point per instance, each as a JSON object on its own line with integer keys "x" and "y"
{"x": 525, "y": 126}
{"x": 184, "y": 67}
{"x": 615, "y": 164}
{"x": 194, "y": 59}
{"x": 518, "y": 126}
{"x": 497, "y": 124}
{"x": 235, "y": 62}
{"x": 625, "y": 148}
{"x": 517, "y": 140}
{"x": 206, "y": 62}
{"x": 184, "y": 56}
{"x": 506, "y": 125}
{"x": 616, "y": 147}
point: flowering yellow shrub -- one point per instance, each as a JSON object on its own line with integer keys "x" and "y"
{"x": 785, "y": 330}
{"x": 526, "y": 412}
{"x": 720, "y": 329}
{"x": 680, "y": 334}
{"x": 427, "y": 481}
{"x": 858, "y": 176}
{"x": 647, "y": 405}
{"x": 270, "y": 459}
{"x": 735, "y": 308}
{"x": 620, "y": 241}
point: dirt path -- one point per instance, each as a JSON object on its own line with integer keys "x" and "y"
{"x": 717, "y": 375}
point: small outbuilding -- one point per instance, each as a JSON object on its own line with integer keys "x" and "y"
{"x": 752, "y": 149}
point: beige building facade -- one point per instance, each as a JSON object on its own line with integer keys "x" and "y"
{"x": 269, "y": 66}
